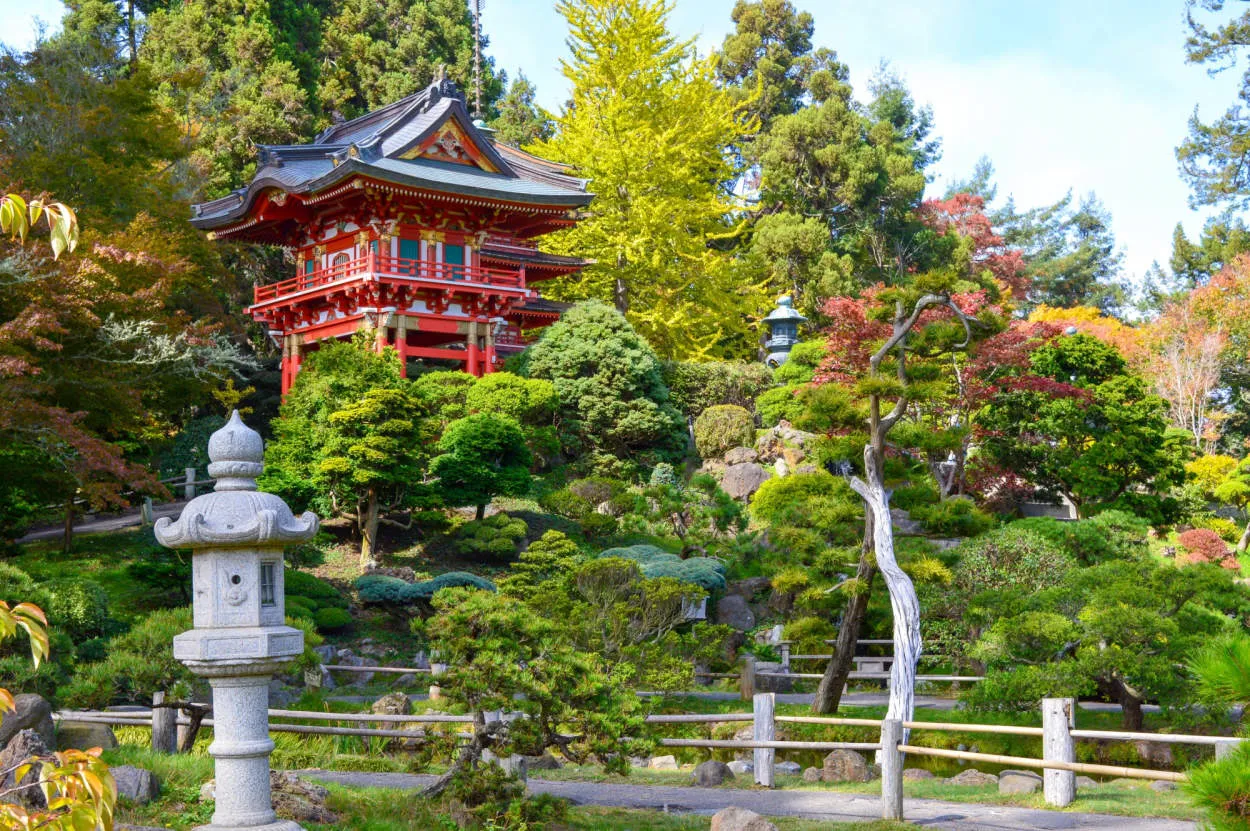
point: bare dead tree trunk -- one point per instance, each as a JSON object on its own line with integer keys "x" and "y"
{"x": 829, "y": 692}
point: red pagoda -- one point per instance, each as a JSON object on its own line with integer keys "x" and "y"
{"x": 410, "y": 220}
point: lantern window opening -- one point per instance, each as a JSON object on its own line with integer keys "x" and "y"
{"x": 268, "y": 584}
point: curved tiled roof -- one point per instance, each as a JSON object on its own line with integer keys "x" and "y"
{"x": 371, "y": 146}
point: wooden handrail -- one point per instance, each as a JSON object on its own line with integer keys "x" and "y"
{"x": 384, "y": 265}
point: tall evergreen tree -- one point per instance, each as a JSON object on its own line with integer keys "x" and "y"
{"x": 1223, "y": 239}
{"x": 649, "y": 126}
{"x": 521, "y": 121}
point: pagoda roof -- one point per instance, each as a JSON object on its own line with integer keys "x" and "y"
{"x": 425, "y": 141}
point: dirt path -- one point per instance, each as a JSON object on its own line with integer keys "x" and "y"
{"x": 100, "y": 525}
{"x": 815, "y": 805}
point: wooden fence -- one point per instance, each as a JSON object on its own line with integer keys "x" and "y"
{"x": 1058, "y": 735}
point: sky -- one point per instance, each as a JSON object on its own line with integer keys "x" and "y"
{"x": 1081, "y": 95}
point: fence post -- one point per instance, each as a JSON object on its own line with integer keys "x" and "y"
{"x": 1059, "y": 786}
{"x": 891, "y": 769}
{"x": 164, "y": 725}
{"x": 765, "y": 730}
{"x": 746, "y": 682}
{"x": 785, "y": 655}
{"x": 188, "y": 487}
{"x": 145, "y": 511}
{"x": 1223, "y": 749}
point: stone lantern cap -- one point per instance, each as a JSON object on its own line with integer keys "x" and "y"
{"x": 785, "y": 311}
{"x": 235, "y": 514}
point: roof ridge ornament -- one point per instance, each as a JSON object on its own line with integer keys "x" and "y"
{"x": 236, "y": 514}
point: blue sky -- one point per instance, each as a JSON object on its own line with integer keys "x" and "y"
{"x": 1091, "y": 95}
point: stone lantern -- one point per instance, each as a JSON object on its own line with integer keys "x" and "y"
{"x": 240, "y": 639}
{"x": 783, "y": 331}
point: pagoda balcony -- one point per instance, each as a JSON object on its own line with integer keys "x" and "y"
{"x": 511, "y": 338}
{"x": 373, "y": 267}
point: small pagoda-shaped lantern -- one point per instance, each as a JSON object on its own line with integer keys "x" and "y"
{"x": 783, "y": 331}
{"x": 240, "y": 639}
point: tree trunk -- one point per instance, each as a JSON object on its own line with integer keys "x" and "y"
{"x": 369, "y": 532}
{"x": 1130, "y": 704}
{"x": 903, "y": 601}
{"x": 829, "y": 693}
{"x": 481, "y": 512}
{"x": 1244, "y": 542}
{"x": 67, "y": 541}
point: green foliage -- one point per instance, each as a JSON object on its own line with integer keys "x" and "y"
{"x": 1222, "y": 669}
{"x": 656, "y": 237}
{"x": 543, "y": 568}
{"x": 1110, "y": 535}
{"x": 161, "y": 570}
{"x": 331, "y": 619}
{"x": 79, "y": 608}
{"x": 138, "y": 663}
{"x": 493, "y": 538}
{"x": 1223, "y": 788}
{"x": 530, "y": 401}
{"x": 695, "y": 386}
{"x": 805, "y": 513}
{"x": 698, "y": 514}
{"x": 613, "y": 401}
{"x": 800, "y": 366}
{"x": 722, "y": 427}
{"x": 1095, "y": 440}
{"x": 780, "y": 403}
{"x": 653, "y": 562}
{"x": 809, "y": 635}
{"x": 503, "y": 656}
{"x": 482, "y": 456}
{"x": 445, "y": 394}
{"x": 296, "y": 583}
{"x": 384, "y": 590}
{"x": 1010, "y": 557}
{"x": 958, "y": 516}
{"x": 912, "y": 496}
{"x": 521, "y": 121}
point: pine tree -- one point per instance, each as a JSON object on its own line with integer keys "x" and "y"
{"x": 650, "y": 127}
{"x": 521, "y": 122}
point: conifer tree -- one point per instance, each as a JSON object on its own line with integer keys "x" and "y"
{"x": 649, "y": 125}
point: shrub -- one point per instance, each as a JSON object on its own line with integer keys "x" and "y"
{"x": 138, "y": 663}
{"x": 1202, "y": 545}
{"x": 613, "y": 399}
{"x": 1228, "y": 530}
{"x": 300, "y": 607}
{"x": 722, "y": 428}
{"x": 331, "y": 619}
{"x": 16, "y": 586}
{"x": 565, "y": 503}
{"x": 1223, "y": 789}
{"x": 1009, "y": 557}
{"x": 483, "y": 456}
{"x": 528, "y": 400}
{"x": 383, "y": 590}
{"x": 696, "y": 386}
{"x": 663, "y": 474}
{"x": 302, "y": 584}
{"x": 809, "y": 635}
{"x": 909, "y": 497}
{"x": 597, "y": 489}
{"x": 596, "y": 525}
{"x": 956, "y": 517}
{"x": 80, "y": 608}
{"x": 1021, "y": 689}
{"x": 800, "y": 366}
{"x": 780, "y": 403}
{"x": 496, "y": 537}
{"x": 655, "y": 562}
{"x": 1111, "y": 535}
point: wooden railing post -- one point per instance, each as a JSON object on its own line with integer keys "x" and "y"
{"x": 188, "y": 487}
{"x": 1223, "y": 749}
{"x": 891, "y": 769}
{"x": 746, "y": 682}
{"x": 765, "y": 730}
{"x": 164, "y": 725}
{"x": 145, "y": 512}
{"x": 785, "y": 655}
{"x": 1059, "y": 786}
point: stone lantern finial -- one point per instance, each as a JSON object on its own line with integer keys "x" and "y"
{"x": 236, "y": 535}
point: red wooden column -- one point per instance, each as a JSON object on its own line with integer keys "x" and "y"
{"x": 288, "y": 374}
{"x": 473, "y": 367}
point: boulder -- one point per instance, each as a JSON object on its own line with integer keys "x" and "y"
{"x": 1162, "y": 785}
{"x": 741, "y": 767}
{"x": 1125, "y": 781}
{"x": 1019, "y": 781}
{"x": 1155, "y": 754}
{"x": 347, "y": 658}
{"x": 784, "y": 442}
{"x": 710, "y": 774}
{"x": 788, "y": 768}
{"x": 298, "y": 799}
{"x": 543, "y": 762}
{"x": 32, "y": 712}
{"x": 326, "y": 653}
{"x": 750, "y": 588}
{"x": 392, "y": 704}
{"x": 772, "y": 683}
{"x": 208, "y": 791}
{"x": 782, "y": 468}
{"x": 972, "y": 778}
{"x": 741, "y": 456}
{"x": 319, "y": 677}
{"x": 742, "y": 480}
{"x": 902, "y": 520}
{"x": 845, "y": 766}
{"x": 732, "y": 610}
{"x": 406, "y": 681}
{"x": 811, "y": 775}
{"x": 136, "y": 784}
{"x": 81, "y": 735}
{"x": 740, "y": 819}
{"x": 917, "y": 773}
{"x": 25, "y": 745}
{"x": 281, "y": 696}
{"x": 1085, "y": 782}
{"x": 663, "y": 763}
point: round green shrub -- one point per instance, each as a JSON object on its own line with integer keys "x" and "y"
{"x": 496, "y": 537}
{"x": 565, "y": 503}
{"x": 1009, "y": 557}
{"x": 722, "y": 428}
{"x": 958, "y": 517}
{"x": 80, "y": 608}
{"x": 16, "y": 586}
{"x": 596, "y": 525}
{"x": 380, "y": 589}
{"x": 780, "y": 403}
{"x": 302, "y": 584}
{"x": 301, "y": 607}
{"x": 331, "y": 619}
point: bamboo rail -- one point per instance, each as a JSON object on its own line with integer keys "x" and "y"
{"x": 747, "y": 744}
{"x": 1024, "y": 762}
{"x": 1168, "y": 738}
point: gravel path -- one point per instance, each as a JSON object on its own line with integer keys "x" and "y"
{"x": 815, "y": 805}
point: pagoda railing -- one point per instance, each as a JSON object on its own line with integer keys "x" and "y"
{"x": 513, "y": 337}
{"x": 384, "y": 265}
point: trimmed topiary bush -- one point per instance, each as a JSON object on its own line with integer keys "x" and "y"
{"x": 695, "y": 386}
{"x": 652, "y": 561}
{"x": 722, "y": 428}
{"x": 496, "y": 537}
{"x": 332, "y": 619}
{"x": 391, "y": 591}
{"x": 302, "y": 584}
